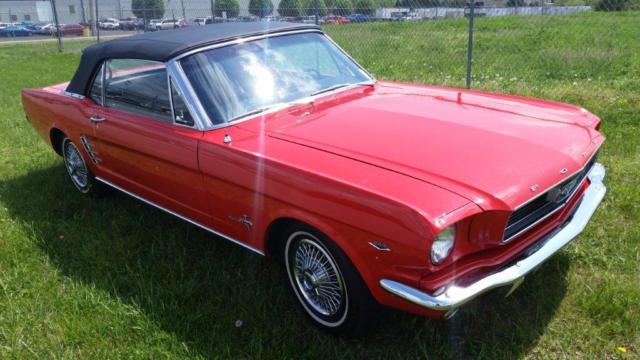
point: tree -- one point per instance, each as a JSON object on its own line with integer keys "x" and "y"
{"x": 313, "y": 7}
{"x": 385, "y": 3}
{"x": 290, "y": 8}
{"x": 231, "y": 7}
{"x": 341, "y": 7}
{"x": 415, "y": 4}
{"x": 148, "y": 9}
{"x": 515, "y": 3}
{"x": 260, "y": 8}
{"x": 365, "y": 7}
{"x": 612, "y": 5}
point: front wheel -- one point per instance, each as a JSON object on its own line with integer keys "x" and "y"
{"x": 325, "y": 282}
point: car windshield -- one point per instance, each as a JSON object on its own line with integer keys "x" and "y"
{"x": 248, "y": 78}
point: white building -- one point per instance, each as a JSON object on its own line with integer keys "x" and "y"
{"x": 76, "y": 11}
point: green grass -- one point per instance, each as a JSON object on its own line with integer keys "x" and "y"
{"x": 114, "y": 278}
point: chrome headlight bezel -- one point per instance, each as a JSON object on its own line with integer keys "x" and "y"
{"x": 443, "y": 245}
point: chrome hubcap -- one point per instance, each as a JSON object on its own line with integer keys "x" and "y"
{"x": 75, "y": 166}
{"x": 317, "y": 278}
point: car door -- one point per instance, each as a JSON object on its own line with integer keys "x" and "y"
{"x": 142, "y": 147}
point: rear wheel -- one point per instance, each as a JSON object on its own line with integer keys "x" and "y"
{"x": 78, "y": 171}
{"x": 325, "y": 282}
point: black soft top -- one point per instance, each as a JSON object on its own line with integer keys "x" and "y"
{"x": 165, "y": 45}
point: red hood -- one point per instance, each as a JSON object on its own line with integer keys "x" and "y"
{"x": 488, "y": 148}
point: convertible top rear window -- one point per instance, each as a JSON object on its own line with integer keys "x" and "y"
{"x": 239, "y": 79}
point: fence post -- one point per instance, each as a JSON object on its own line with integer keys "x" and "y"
{"x": 97, "y": 22}
{"x": 316, "y": 10}
{"x": 84, "y": 16}
{"x": 470, "y": 43}
{"x": 55, "y": 20}
{"x": 213, "y": 12}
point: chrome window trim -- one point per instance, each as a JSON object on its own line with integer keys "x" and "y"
{"x": 169, "y": 77}
{"x": 148, "y": 202}
{"x": 193, "y": 102}
{"x": 200, "y": 120}
{"x": 73, "y": 95}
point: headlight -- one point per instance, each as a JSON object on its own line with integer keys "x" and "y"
{"x": 443, "y": 244}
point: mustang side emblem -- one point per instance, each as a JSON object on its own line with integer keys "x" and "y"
{"x": 244, "y": 220}
{"x": 89, "y": 149}
{"x": 564, "y": 171}
{"x": 534, "y": 187}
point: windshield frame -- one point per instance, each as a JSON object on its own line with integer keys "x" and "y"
{"x": 206, "y": 123}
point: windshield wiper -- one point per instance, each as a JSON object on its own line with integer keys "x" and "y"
{"x": 254, "y": 112}
{"x": 341, "y": 85}
{"x": 330, "y": 88}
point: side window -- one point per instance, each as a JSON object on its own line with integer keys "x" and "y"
{"x": 96, "y": 89}
{"x": 139, "y": 87}
{"x": 182, "y": 115}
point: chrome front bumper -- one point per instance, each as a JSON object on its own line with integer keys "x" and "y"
{"x": 453, "y": 296}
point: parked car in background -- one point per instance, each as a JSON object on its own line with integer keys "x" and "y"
{"x": 200, "y": 21}
{"x": 404, "y": 16}
{"x": 109, "y": 24}
{"x": 334, "y": 19}
{"x": 153, "y": 24}
{"x": 14, "y": 30}
{"x": 168, "y": 24}
{"x": 46, "y": 29}
{"x": 71, "y": 29}
{"x": 131, "y": 23}
{"x": 358, "y": 18}
{"x": 4, "y": 25}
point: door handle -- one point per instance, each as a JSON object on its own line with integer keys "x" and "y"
{"x": 96, "y": 119}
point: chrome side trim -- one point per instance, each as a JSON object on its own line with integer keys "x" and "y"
{"x": 454, "y": 296}
{"x": 237, "y": 242}
{"x": 73, "y": 95}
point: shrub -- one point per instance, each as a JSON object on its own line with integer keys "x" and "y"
{"x": 313, "y": 6}
{"x": 290, "y": 8}
{"x": 341, "y": 7}
{"x": 365, "y": 7}
{"x": 612, "y": 5}
{"x": 231, "y": 7}
{"x": 148, "y": 9}
{"x": 261, "y": 8}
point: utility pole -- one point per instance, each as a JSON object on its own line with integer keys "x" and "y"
{"x": 470, "y": 44}
{"x": 55, "y": 20}
{"x": 84, "y": 16}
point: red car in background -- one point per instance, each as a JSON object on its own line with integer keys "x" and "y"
{"x": 371, "y": 192}
{"x": 71, "y": 29}
{"x": 334, "y": 19}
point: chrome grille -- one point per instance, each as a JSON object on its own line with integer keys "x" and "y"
{"x": 546, "y": 204}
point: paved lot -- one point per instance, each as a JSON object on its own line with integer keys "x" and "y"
{"x": 105, "y": 33}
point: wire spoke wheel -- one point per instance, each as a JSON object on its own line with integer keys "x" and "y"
{"x": 317, "y": 279}
{"x": 76, "y": 167}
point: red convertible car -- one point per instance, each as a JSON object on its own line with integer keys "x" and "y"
{"x": 269, "y": 135}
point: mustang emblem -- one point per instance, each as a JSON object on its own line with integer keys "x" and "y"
{"x": 534, "y": 187}
{"x": 244, "y": 220}
{"x": 564, "y": 171}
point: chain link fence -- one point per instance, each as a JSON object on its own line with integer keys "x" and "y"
{"x": 448, "y": 42}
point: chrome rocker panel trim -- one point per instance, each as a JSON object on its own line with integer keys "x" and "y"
{"x": 455, "y": 296}
{"x": 237, "y": 242}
